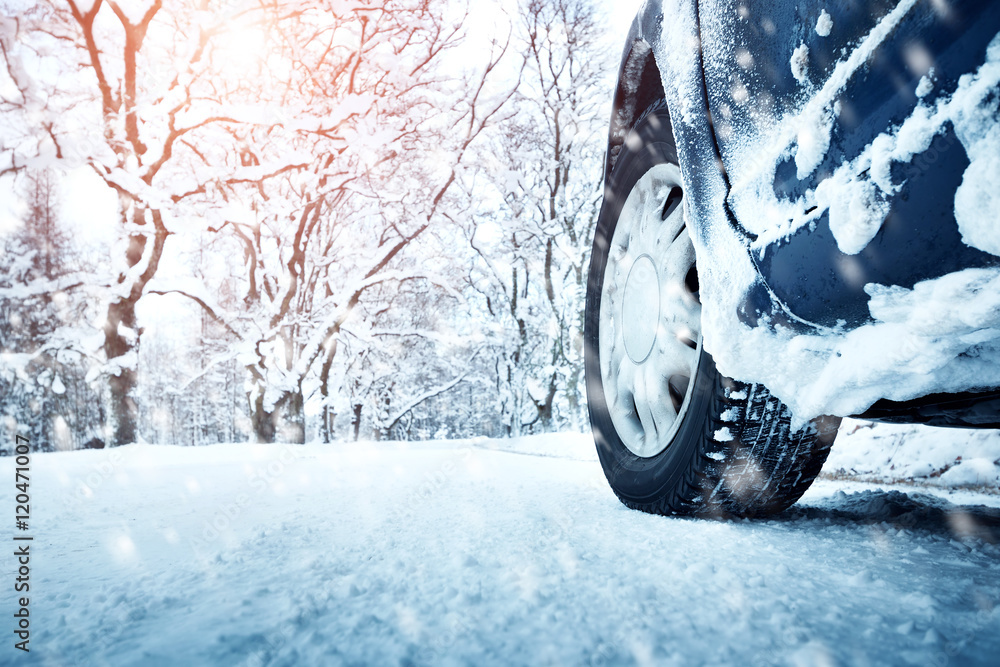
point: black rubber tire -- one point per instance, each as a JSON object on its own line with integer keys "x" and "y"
{"x": 765, "y": 466}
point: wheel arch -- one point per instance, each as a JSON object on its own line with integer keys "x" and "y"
{"x": 638, "y": 85}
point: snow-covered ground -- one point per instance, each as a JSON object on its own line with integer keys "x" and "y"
{"x": 482, "y": 552}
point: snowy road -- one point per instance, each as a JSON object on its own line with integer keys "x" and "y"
{"x": 491, "y": 552}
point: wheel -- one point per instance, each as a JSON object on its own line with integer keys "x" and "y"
{"x": 673, "y": 435}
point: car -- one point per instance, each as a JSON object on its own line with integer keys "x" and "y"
{"x": 799, "y": 224}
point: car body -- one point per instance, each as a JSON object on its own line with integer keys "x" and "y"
{"x": 869, "y": 66}
{"x": 801, "y": 222}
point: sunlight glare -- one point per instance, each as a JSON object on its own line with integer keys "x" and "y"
{"x": 240, "y": 49}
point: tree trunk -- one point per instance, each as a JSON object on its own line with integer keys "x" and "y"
{"x": 121, "y": 332}
{"x": 576, "y": 412}
{"x": 285, "y": 423}
{"x": 122, "y": 411}
{"x": 261, "y": 420}
{"x": 356, "y": 420}
{"x": 329, "y": 419}
{"x": 292, "y": 419}
{"x": 544, "y": 423}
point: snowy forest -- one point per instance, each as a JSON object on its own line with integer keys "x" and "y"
{"x": 314, "y": 220}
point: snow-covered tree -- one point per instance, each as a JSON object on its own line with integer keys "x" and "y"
{"x": 148, "y": 97}
{"x": 44, "y": 394}
{"x": 320, "y": 139}
{"x": 365, "y": 216}
{"x": 344, "y": 199}
{"x": 534, "y": 249}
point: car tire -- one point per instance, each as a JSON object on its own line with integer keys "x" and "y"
{"x": 673, "y": 435}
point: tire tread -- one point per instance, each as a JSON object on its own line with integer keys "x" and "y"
{"x": 764, "y": 469}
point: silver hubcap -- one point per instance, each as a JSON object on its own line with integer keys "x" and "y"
{"x": 650, "y": 334}
{"x": 641, "y": 307}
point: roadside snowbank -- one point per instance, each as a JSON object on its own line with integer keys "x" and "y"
{"x": 942, "y": 457}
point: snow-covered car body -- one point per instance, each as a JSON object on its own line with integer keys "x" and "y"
{"x": 841, "y": 166}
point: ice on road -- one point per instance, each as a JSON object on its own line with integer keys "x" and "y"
{"x": 483, "y": 552}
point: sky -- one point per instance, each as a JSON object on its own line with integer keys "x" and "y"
{"x": 621, "y": 13}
